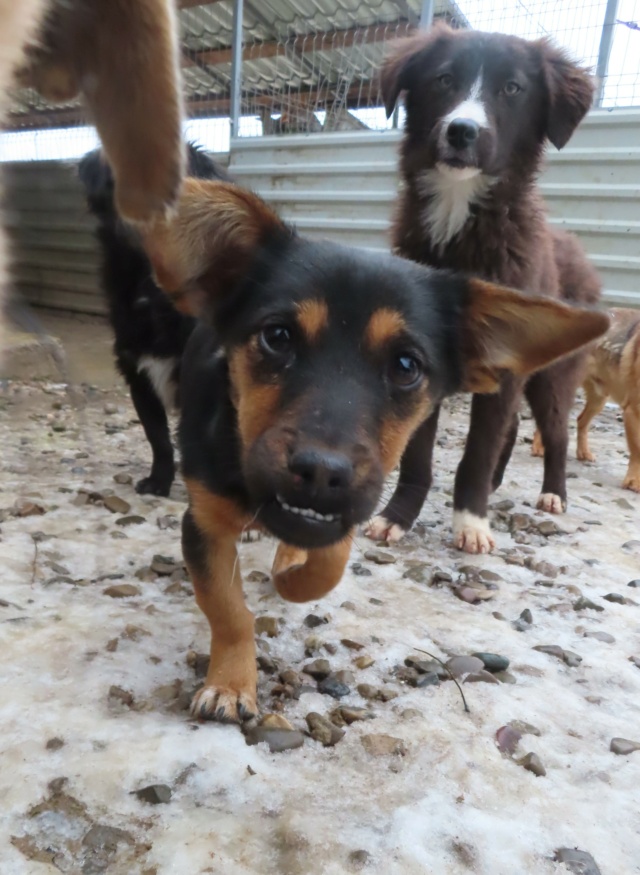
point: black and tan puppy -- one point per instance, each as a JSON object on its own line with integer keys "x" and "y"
{"x": 313, "y": 366}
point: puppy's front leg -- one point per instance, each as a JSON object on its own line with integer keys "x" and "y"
{"x": 303, "y": 576}
{"x": 229, "y": 692}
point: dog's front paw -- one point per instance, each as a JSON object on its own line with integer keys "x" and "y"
{"x": 551, "y": 503}
{"x": 153, "y": 486}
{"x": 381, "y": 529}
{"x": 472, "y": 533}
{"x": 224, "y": 704}
{"x": 583, "y": 455}
{"x": 632, "y": 481}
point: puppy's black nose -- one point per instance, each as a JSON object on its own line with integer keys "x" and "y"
{"x": 321, "y": 471}
{"x": 462, "y": 132}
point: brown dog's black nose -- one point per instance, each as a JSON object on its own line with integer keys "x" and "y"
{"x": 321, "y": 471}
{"x": 462, "y": 132}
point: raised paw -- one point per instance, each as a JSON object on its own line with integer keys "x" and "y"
{"x": 381, "y": 529}
{"x": 551, "y": 503}
{"x": 583, "y": 455}
{"x": 472, "y": 533}
{"x": 224, "y": 704}
{"x": 632, "y": 481}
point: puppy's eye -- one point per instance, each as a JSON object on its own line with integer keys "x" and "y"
{"x": 276, "y": 340}
{"x": 445, "y": 80}
{"x": 511, "y": 88}
{"x": 405, "y": 370}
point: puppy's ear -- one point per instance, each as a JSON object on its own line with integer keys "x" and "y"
{"x": 122, "y": 56}
{"x": 570, "y": 92}
{"x": 204, "y": 248}
{"x": 505, "y": 330}
{"x": 401, "y": 64}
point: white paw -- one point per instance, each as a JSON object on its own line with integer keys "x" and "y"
{"x": 551, "y": 503}
{"x": 472, "y": 533}
{"x": 380, "y": 529}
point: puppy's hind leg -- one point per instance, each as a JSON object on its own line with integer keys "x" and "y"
{"x": 595, "y": 401}
{"x": 505, "y": 454}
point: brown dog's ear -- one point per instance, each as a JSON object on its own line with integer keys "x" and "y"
{"x": 399, "y": 67}
{"x": 505, "y": 330}
{"x": 205, "y": 246}
{"x": 122, "y": 56}
{"x": 570, "y": 91}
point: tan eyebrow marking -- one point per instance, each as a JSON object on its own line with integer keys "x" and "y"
{"x": 383, "y": 326}
{"x": 312, "y": 316}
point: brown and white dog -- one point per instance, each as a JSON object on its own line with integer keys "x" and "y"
{"x": 480, "y": 110}
{"x": 122, "y": 57}
{"x": 613, "y": 371}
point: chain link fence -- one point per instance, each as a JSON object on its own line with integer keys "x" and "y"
{"x": 312, "y": 65}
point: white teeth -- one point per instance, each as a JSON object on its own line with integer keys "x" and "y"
{"x": 307, "y": 512}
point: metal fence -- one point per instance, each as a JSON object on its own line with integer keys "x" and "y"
{"x": 260, "y": 67}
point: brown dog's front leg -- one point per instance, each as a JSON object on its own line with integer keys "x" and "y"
{"x": 303, "y": 576}
{"x": 209, "y": 547}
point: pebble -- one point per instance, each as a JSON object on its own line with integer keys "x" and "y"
{"x": 359, "y": 570}
{"x": 473, "y": 595}
{"x": 267, "y": 626}
{"x": 348, "y": 606}
{"x": 551, "y": 649}
{"x": 374, "y": 601}
{"x": 350, "y": 714}
{"x": 199, "y": 662}
{"x": 313, "y": 620}
{"x": 492, "y": 661}
{"x": 154, "y": 794}
{"x": 121, "y": 591}
{"x": 505, "y": 677}
{"x": 578, "y": 862}
{"x": 635, "y": 583}
{"x": 481, "y": 677}
{"x": 364, "y": 661}
{"x": 54, "y": 743}
{"x": 439, "y": 577}
{"x": 278, "y": 738}
{"x": 318, "y": 669}
{"x": 631, "y": 545}
{"x": 503, "y": 505}
{"x": 525, "y": 728}
{"x": 334, "y": 687}
{"x": 163, "y": 565}
{"x": 131, "y": 520}
{"x": 507, "y": 739}
{"x": 23, "y": 507}
{"x": 123, "y": 479}
{"x": 257, "y": 577}
{"x": 583, "y": 603}
{"x": 623, "y": 747}
{"x": 380, "y": 557}
{"x": 359, "y": 859}
{"x": 600, "y": 636}
{"x": 116, "y": 505}
{"x": 524, "y": 621}
{"x": 121, "y": 695}
{"x": 351, "y": 645}
{"x": 635, "y": 660}
{"x": 532, "y": 763}
{"x": 418, "y": 574}
{"x": 520, "y": 522}
{"x": 323, "y": 730}
{"x": 383, "y": 745}
{"x": 571, "y": 659}
{"x": 460, "y": 665}
{"x": 616, "y": 598}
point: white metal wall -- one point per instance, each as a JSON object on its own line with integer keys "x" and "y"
{"x": 343, "y": 186}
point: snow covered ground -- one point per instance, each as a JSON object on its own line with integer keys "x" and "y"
{"x": 94, "y": 685}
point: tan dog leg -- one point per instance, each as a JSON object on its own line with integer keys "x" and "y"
{"x": 537, "y": 447}
{"x": 632, "y": 430}
{"x": 301, "y": 576}
{"x": 595, "y": 401}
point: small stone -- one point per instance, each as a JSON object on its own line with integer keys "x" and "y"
{"x": 374, "y": 601}
{"x": 548, "y": 528}
{"x": 615, "y": 597}
{"x": 406, "y": 675}
{"x": 461, "y": 665}
{"x": 439, "y": 577}
{"x": 383, "y": 745}
{"x": 632, "y": 546}
{"x": 350, "y": 714}
{"x": 357, "y": 860}
{"x": 623, "y": 747}
{"x": 323, "y": 730}
{"x": 635, "y": 660}
{"x": 600, "y": 636}
{"x": 507, "y": 739}
{"x": 351, "y": 645}
{"x": 532, "y": 763}
{"x": 257, "y": 577}
{"x": 386, "y": 694}
{"x": 571, "y": 659}
{"x": 367, "y": 691}
{"x": 199, "y": 662}
{"x": 112, "y": 645}
{"x": 23, "y": 507}
{"x": 318, "y": 669}
{"x": 348, "y": 606}
{"x": 380, "y": 557}
{"x": 363, "y": 662}
{"x": 120, "y": 695}
{"x": 635, "y": 583}
{"x": 492, "y": 661}
{"x": 418, "y": 574}
{"x": 526, "y": 616}
{"x": 132, "y": 520}
{"x": 116, "y": 505}
{"x": 134, "y": 633}
{"x": 163, "y": 565}
{"x": 266, "y": 663}
{"x": 482, "y": 676}
{"x": 313, "y": 620}
{"x": 505, "y": 677}
{"x": 473, "y": 595}
{"x": 154, "y": 794}
{"x": 278, "y": 740}
{"x": 360, "y": 570}
{"x": 334, "y": 687}
{"x": 430, "y": 679}
{"x": 121, "y": 591}
{"x": 550, "y": 649}
{"x": 275, "y": 721}
{"x": 583, "y": 604}
{"x": 54, "y": 743}
{"x": 546, "y": 569}
{"x": 267, "y": 626}
{"x": 123, "y": 479}
{"x": 524, "y": 728}
{"x": 578, "y": 862}
{"x": 520, "y": 522}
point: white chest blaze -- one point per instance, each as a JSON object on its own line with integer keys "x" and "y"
{"x": 160, "y": 372}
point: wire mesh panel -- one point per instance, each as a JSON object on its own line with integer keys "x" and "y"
{"x": 312, "y": 65}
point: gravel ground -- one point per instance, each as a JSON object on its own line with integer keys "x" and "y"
{"x": 103, "y": 646}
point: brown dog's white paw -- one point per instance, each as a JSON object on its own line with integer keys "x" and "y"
{"x": 380, "y": 529}
{"x": 472, "y": 533}
{"x": 224, "y": 704}
{"x": 551, "y": 503}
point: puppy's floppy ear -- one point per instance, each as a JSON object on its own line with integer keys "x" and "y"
{"x": 401, "y": 64}
{"x": 570, "y": 91}
{"x": 122, "y": 56}
{"x": 504, "y": 330}
{"x": 205, "y": 247}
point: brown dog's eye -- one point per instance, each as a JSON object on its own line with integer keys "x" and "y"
{"x": 405, "y": 371}
{"x": 511, "y": 88}
{"x": 445, "y": 80}
{"x": 276, "y": 340}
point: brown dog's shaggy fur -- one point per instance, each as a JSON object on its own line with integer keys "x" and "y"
{"x": 480, "y": 109}
{"x": 122, "y": 56}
